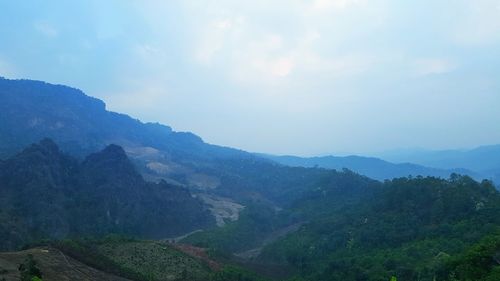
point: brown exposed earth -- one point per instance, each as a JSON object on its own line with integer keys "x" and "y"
{"x": 199, "y": 253}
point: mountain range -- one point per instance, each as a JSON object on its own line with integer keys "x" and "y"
{"x": 70, "y": 170}
{"x": 33, "y": 110}
{"x": 483, "y": 159}
{"x": 375, "y": 168}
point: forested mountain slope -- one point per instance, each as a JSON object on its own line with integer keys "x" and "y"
{"x": 410, "y": 228}
{"x": 46, "y": 194}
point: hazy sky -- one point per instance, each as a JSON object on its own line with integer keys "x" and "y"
{"x": 283, "y": 76}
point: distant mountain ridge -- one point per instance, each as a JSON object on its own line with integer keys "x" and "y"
{"x": 369, "y": 166}
{"x": 484, "y": 160}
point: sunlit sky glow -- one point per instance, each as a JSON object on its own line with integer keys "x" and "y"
{"x": 283, "y": 76}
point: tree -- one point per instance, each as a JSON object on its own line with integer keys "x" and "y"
{"x": 29, "y": 270}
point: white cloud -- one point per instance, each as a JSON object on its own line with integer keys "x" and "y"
{"x": 479, "y": 23}
{"x": 429, "y": 66}
{"x": 279, "y": 67}
{"x": 330, "y": 63}
{"x": 46, "y": 29}
{"x": 323, "y": 5}
{"x": 214, "y": 36}
{"x": 250, "y": 51}
{"x": 143, "y": 100}
{"x": 149, "y": 53}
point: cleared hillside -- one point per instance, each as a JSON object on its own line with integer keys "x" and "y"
{"x": 54, "y": 265}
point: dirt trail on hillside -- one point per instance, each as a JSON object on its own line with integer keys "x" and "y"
{"x": 253, "y": 253}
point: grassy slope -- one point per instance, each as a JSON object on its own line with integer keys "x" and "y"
{"x": 55, "y": 266}
{"x": 153, "y": 260}
{"x": 156, "y": 261}
{"x": 137, "y": 260}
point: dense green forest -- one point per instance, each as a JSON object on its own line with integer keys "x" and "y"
{"x": 481, "y": 261}
{"x": 46, "y": 194}
{"x": 409, "y": 228}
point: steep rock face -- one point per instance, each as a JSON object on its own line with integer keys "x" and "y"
{"x": 34, "y": 110}
{"x": 47, "y": 194}
{"x": 34, "y": 190}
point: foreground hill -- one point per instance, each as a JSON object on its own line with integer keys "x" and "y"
{"x": 54, "y": 265}
{"x": 46, "y": 194}
{"x": 115, "y": 258}
{"x": 142, "y": 260}
{"x": 371, "y": 167}
{"x": 409, "y": 228}
{"x": 139, "y": 260}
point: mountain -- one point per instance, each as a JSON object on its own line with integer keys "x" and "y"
{"x": 484, "y": 160}
{"x": 369, "y": 166}
{"x": 32, "y": 110}
{"x": 46, "y": 194}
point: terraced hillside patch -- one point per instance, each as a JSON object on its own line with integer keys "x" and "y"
{"x": 154, "y": 260}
